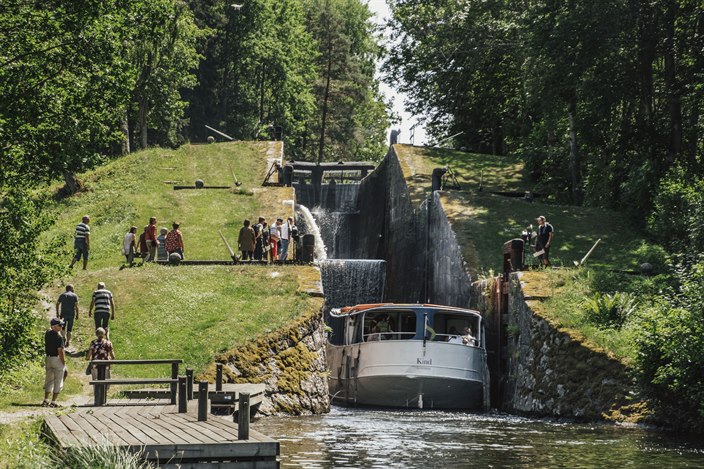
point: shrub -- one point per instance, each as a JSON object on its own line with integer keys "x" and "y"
{"x": 610, "y": 309}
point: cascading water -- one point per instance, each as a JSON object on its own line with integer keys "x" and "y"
{"x": 349, "y": 282}
{"x": 308, "y": 225}
{"x": 335, "y": 229}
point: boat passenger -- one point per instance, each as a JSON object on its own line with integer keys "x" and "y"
{"x": 383, "y": 326}
{"x": 454, "y": 337}
{"x": 467, "y": 337}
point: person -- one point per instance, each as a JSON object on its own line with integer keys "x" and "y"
{"x": 544, "y": 240}
{"x": 258, "y": 238}
{"x": 265, "y": 241}
{"x": 246, "y": 241}
{"x": 152, "y": 242}
{"x": 104, "y": 307}
{"x": 454, "y": 337}
{"x": 143, "y": 246}
{"x": 161, "y": 253}
{"x": 67, "y": 309}
{"x": 274, "y": 237}
{"x": 129, "y": 245}
{"x": 100, "y": 349}
{"x": 285, "y": 239}
{"x": 383, "y": 326}
{"x": 295, "y": 238}
{"x": 174, "y": 240}
{"x": 55, "y": 363}
{"x": 467, "y": 337}
{"x": 373, "y": 334}
{"x": 81, "y": 242}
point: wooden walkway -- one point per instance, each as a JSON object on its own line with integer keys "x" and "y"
{"x": 164, "y": 436}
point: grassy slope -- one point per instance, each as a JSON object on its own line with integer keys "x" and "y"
{"x": 483, "y": 222}
{"x": 189, "y": 312}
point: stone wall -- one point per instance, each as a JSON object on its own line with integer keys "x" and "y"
{"x": 550, "y": 372}
{"x": 290, "y": 361}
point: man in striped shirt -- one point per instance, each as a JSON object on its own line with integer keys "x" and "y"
{"x": 104, "y": 307}
{"x": 81, "y": 242}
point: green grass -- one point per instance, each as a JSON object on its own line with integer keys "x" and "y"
{"x": 21, "y": 446}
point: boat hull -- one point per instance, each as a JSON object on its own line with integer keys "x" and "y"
{"x": 404, "y": 373}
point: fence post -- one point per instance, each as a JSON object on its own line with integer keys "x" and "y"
{"x": 174, "y": 386}
{"x": 100, "y": 391}
{"x": 202, "y": 401}
{"x": 182, "y": 401}
{"x": 218, "y": 377}
{"x": 243, "y": 417}
{"x": 189, "y": 384}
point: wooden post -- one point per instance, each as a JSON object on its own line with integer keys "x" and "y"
{"x": 202, "y": 401}
{"x": 182, "y": 401}
{"x": 243, "y": 417}
{"x": 174, "y": 386}
{"x": 218, "y": 377}
{"x": 189, "y": 384}
{"x": 100, "y": 393}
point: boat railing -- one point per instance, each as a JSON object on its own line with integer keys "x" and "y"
{"x": 374, "y": 336}
{"x": 455, "y": 338}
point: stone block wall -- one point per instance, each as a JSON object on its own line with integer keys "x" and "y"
{"x": 551, "y": 372}
{"x": 292, "y": 364}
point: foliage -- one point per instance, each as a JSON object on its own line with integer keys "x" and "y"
{"x": 600, "y": 98}
{"x": 671, "y": 348}
{"x": 610, "y": 309}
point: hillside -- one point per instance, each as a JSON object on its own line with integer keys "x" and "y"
{"x": 483, "y": 220}
{"x": 189, "y": 312}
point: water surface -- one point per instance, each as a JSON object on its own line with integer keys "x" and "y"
{"x": 432, "y": 439}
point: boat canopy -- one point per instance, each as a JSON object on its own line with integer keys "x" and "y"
{"x": 348, "y": 311}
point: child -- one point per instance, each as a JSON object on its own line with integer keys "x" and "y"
{"x": 161, "y": 247}
{"x": 129, "y": 245}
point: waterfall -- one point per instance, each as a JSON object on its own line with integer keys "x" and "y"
{"x": 309, "y": 226}
{"x": 350, "y": 282}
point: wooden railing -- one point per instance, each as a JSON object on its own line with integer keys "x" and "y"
{"x": 101, "y": 383}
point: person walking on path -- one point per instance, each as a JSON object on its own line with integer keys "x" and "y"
{"x": 285, "y": 239}
{"x": 246, "y": 241}
{"x": 67, "y": 309}
{"x": 81, "y": 242}
{"x": 100, "y": 349}
{"x": 152, "y": 242}
{"x": 544, "y": 241}
{"x": 129, "y": 245}
{"x": 55, "y": 363}
{"x": 274, "y": 237}
{"x": 104, "y": 308}
{"x": 174, "y": 241}
{"x": 259, "y": 239}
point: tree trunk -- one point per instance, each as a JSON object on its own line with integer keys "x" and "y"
{"x": 324, "y": 113}
{"x": 575, "y": 163}
{"x": 125, "y": 129}
{"x": 71, "y": 183}
{"x": 674, "y": 104}
{"x": 143, "y": 123}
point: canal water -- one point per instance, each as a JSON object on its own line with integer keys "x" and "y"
{"x": 432, "y": 439}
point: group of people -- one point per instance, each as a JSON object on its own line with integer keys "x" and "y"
{"x": 58, "y": 337}
{"x": 150, "y": 247}
{"x": 264, "y": 242}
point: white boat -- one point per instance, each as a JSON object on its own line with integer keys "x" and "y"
{"x": 408, "y": 355}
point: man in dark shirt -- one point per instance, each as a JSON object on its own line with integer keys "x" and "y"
{"x": 545, "y": 234}
{"x": 67, "y": 309}
{"x": 55, "y": 363}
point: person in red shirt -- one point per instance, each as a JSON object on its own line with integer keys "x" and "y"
{"x": 152, "y": 242}
{"x": 174, "y": 240}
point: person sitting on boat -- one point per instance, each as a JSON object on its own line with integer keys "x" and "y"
{"x": 467, "y": 337}
{"x": 373, "y": 334}
{"x": 454, "y": 337}
{"x": 383, "y": 327}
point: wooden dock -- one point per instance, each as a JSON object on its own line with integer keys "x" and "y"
{"x": 226, "y": 399}
{"x": 164, "y": 436}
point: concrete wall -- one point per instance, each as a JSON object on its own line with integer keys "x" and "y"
{"x": 549, "y": 372}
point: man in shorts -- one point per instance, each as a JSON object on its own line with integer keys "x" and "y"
{"x": 55, "y": 363}
{"x": 67, "y": 309}
{"x": 81, "y": 242}
{"x": 104, "y": 307}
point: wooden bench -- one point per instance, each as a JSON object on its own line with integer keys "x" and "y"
{"x": 101, "y": 384}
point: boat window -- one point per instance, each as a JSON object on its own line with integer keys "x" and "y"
{"x": 451, "y": 328}
{"x": 389, "y": 325}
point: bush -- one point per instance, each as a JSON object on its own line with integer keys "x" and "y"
{"x": 610, "y": 310}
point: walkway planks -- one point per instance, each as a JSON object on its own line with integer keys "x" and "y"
{"x": 164, "y": 435}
